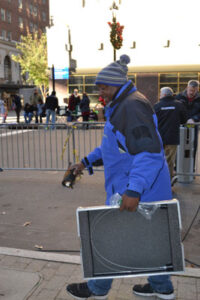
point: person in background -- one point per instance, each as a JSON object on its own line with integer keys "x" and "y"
{"x": 74, "y": 102}
{"x": 17, "y": 106}
{"x": 51, "y": 105}
{"x": 3, "y": 109}
{"x": 34, "y": 99}
{"x": 190, "y": 98}
{"x": 170, "y": 114}
{"x": 85, "y": 108}
{"x": 102, "y": 101}
{"x": 41, "y": 109}
{"x": 28, "y": 113}
{"x": 134, "y": 165}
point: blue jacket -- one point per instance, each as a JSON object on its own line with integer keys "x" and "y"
{"x": 131, "y": 149}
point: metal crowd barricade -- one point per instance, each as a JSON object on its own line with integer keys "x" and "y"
{"x": 85, "y": 137}
{"x": 34, "y": 147}
{"x": 187, "y": 161}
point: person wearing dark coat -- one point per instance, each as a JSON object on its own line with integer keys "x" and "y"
{"x": 190, "y": 97}
{"x": 74, "y": 102}
{"x": 170, "y": 114}
{"x": 50, "y": 105}
{"x": 85, "y": 107}
{"x": 17, "y": 106}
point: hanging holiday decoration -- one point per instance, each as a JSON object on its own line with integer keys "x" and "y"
{"x": 116, "y": 38}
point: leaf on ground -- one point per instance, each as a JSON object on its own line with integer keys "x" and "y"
{"x": 26, "y": 224}
{"x": 39, "y": 247}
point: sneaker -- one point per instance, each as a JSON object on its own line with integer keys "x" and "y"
{"x": 147, "y": 291}
{"x": 81, "y": 291}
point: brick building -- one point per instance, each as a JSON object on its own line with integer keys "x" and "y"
{"x": 17, "y": 18}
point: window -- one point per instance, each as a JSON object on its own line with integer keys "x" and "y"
{"x": 3, "y": 34}
{"x": 35, "y": 12}
{"x": 90, "y": 79}
{"x": 43, "y": 16}
{"x": 170, "y": 80}
{"x": 76, "y": 80}
{"x": 31, "y": 9}
{"x": 9, "y": 35}
{"x": 8, "y": 16}
{"x": 43, "y": 1}
{"x": 35, "y": 27}
{"x": 21, "y": 25}
{"x": 3, "y": 14}
{"x": 185, "y": 77}
{"x": 7, "y": 68}
{"x": 31, "y": 27}
{"x": 90, "y": 87}
{"x": 20, "y": 4}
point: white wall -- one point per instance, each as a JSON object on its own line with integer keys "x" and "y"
{"x": 148, "y": 22}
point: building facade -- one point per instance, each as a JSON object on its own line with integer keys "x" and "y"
{"x": 164, "y": 49}
{"x": 17, "y": 18}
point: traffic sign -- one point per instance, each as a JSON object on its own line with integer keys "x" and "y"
{"x": 61, "y": 73}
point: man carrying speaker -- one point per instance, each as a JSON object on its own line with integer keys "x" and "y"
{"x": 134, "y": 165}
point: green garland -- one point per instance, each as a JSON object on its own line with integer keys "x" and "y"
{"x": 116, "y": 38}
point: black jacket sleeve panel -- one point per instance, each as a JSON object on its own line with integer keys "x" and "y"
{"x": 182, "y": 113}
{"x": 140, "y": 130}
{"x": 135, "y": 122}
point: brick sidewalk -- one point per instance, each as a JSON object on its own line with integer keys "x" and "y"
{"x": 54, "y": 276}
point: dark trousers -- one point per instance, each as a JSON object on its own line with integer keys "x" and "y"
{"x": 85, "y": 118}
{"x": 17, "y": 111}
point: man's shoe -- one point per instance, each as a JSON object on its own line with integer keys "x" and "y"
{"x": 81, "y": 291}
{"x": 147, "y": 291}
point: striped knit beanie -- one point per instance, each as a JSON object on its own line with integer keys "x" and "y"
{"x": 114, "y": 74}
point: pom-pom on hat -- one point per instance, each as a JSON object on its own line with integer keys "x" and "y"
{"x": 115, "y": 74}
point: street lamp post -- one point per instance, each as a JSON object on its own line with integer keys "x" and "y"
{"x": 53, "y": 77}
{"x": 116, "y": 31}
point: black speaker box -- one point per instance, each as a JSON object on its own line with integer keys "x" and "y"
{"x": 125, "y": 244}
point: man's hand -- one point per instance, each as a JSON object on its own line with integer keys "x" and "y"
{"x": 129, "y": 203}
{"x": 78, "y": 168}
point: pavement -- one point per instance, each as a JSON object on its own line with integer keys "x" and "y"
{"x": 29, "y": 274}
{"x": 26, "y": 273}
{"x": 42, "y": 279}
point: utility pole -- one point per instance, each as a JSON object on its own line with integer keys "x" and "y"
{"x": 116, "y": 31}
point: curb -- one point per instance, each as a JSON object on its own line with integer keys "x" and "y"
{"x": 66, "y": 258}
{"x": 73, "y": 259}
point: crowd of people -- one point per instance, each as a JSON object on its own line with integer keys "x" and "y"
{"x": 37, "y": 109}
